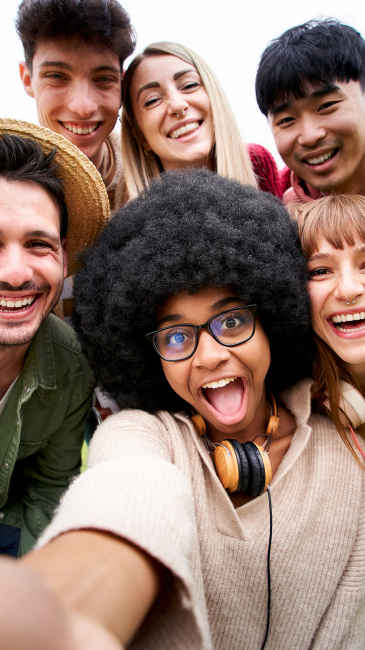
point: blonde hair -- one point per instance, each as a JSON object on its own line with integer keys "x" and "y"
{"x": 230, "y": 157}
{"x": 339, "y": 219}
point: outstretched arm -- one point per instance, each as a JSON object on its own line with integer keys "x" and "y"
{"x": 98, "y": 576}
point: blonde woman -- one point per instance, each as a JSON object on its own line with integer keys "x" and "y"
{"x": 175, "y": 115}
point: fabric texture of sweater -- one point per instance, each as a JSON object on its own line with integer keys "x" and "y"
{"x": 151, "y": 480}
{"x": 265, "y": 169}
{"x": 294, "y": 189}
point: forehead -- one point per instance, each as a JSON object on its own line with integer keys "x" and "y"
{"x": 25, "y": 205}
{"x": 158, "y": 67}
{"x": 74, "y": 52}
{"x": 191, "y": 304}
{"x": 312, "y": 91}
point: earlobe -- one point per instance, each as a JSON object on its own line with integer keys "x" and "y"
{"x": 26, "y": 78}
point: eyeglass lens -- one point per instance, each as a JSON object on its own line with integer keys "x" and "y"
{"x": 231, "y": 327}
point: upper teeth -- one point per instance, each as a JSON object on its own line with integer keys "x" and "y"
{"x": 184, "y": 129}
{"x": 320, "y": 159}
{"x": 11, "y": 304}
{"x": 343, "y": 318}
{"x": 80, "y": 130}
{"x": 220, "y": 383}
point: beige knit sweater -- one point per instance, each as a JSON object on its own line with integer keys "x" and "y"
{"x": 151, "y": 480}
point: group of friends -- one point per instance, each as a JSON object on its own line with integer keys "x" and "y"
{"x": 217, "y": 337}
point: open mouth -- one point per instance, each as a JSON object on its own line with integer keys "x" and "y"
{"x": 348, "y": 322}
{"x": 225, "y": 395}
{"x": 185, "y": 129}
{"x": 80, "y": 130}
{"x": 323, "y": 158}
{"x": 11, "y": 306}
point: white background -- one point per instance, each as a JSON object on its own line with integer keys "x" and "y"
{"x": 230, "y": 35}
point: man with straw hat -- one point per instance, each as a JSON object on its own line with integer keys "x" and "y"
{"x": 53, "y": 204}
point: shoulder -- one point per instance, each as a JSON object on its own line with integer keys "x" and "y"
{"x": 65, "y": 348}
{"x": 61, "y": 334}
{"x": 137, "y": 432}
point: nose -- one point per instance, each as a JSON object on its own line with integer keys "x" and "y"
{"x": 311, "y": 132}
{"x": 209, "y": 353}
{"x": 82, "y": 100}
{"x": 350, "y": 286}
{"x": 15, "y": 268}
{"x": 177, "y": 104}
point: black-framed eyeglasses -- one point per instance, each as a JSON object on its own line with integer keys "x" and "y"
{"x": 230, "y": 328}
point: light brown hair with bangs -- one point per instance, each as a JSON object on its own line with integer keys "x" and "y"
{"x": 339, "y": 219}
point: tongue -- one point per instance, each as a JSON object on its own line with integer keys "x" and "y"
{"x": 226, "y": 400}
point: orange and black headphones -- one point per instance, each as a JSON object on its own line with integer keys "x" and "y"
{"x": 243, "y": 467}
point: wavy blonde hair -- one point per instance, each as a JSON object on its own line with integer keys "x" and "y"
{"x": 339, "y": 219}
{"x": 230, "y": 157}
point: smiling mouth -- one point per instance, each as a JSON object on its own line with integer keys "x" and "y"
{"x": 183, "y": 130}
{"x": 348, "y": 322}
{"x": 225, "y": 395}
{"x": 319, "y": 160}
{"x": 80, "y": 130}
{"x": 8, "y": 305}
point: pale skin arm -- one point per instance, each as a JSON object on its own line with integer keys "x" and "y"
{"x": 98, "y": 577}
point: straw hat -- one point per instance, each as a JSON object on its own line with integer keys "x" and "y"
{"x": 85, "y": 194}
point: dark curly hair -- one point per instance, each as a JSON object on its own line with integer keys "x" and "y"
{"x": 98, "y": 22}
{"x": 190, "y": 230}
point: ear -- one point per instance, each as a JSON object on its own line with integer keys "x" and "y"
{"x": 26, "y": 78}
{"x": 65, "y": 260}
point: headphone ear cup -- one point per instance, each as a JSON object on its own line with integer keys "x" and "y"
{"x": 242, "y": 467}
{"x": 244, "y": 471}
{"x": 257, "y": 469}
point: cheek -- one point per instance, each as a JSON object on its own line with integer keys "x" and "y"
{"x": 176, "y": 375}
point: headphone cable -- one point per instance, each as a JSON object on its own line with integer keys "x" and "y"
{"x": 268, "y": 574}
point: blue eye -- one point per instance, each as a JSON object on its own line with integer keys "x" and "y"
{"x": 176, "y": 338}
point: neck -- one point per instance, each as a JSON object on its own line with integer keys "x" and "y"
{"x": 358, "y": 373}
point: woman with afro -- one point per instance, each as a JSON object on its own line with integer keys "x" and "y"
{"x": 217, "y": 511}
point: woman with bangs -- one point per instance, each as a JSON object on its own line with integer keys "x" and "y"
{"x": 175, "y": 116}
{"x": 332, "y": 232}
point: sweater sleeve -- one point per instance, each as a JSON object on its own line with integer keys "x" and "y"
{"x": 343, "y": 624}
{"x": 133, "y": 489}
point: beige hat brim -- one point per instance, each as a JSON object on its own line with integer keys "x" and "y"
{"x": 85, "y": 193}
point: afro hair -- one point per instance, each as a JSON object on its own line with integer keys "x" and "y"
{"x": 190, "y": 230}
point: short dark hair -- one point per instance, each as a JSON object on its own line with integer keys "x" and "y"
{"x": 98, "y": 22}
{"x": 321, "y": 51}
{"x": 190, "y": 230}
{"x": 23, "y": 159}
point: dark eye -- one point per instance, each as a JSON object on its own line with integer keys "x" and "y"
{"x": 285, "y": 121}
{"x": 151, "y": 102}
{"x": 39, "y": 244}
{"x": 232, "y": 321}
{"x": 327, "y": 105}
{"x": 191, "y": 85}
{"x": 55, "y": 75}
{"x": 312, "y": 273}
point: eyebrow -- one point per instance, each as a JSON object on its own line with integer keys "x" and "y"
{"x": 156, "y": 84}
{"x": 319, "y": 92}
{"x": 213, "y": 308}
{"x": 67, "y": 66}
{"x": 321, "y": 256}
